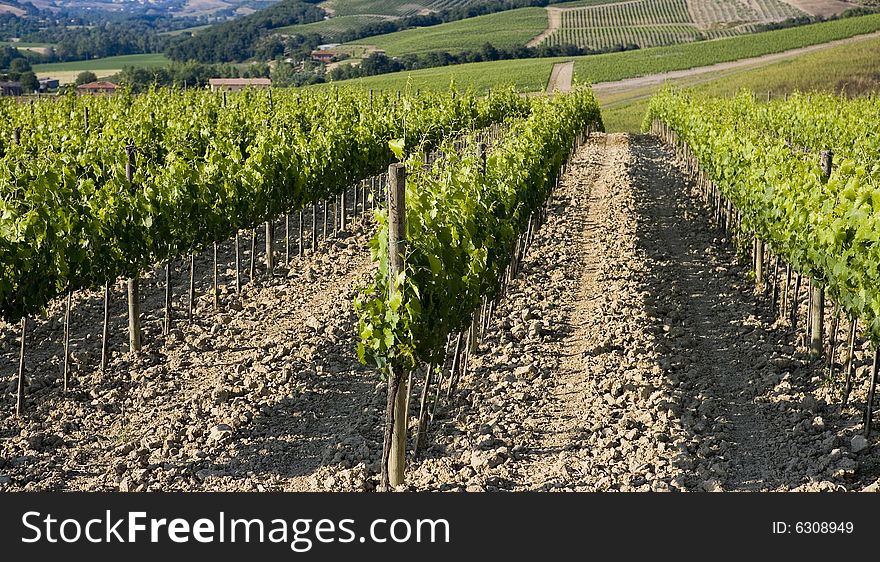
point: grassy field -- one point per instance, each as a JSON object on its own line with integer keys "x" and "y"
{"x": 66, "y": 72}
{"x": 847, "y": 69}
{"x": 503, "y": 29}
{"x": 532, "y": 74}
{"x": 332, "y": 26}
{"x": 527, "y": 75}
{"x": 107, "y": 63}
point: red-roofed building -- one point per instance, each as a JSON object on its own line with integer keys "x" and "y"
{"x": 99, "y": 87}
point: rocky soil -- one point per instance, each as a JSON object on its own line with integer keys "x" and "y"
{"x": 632, "y": 353}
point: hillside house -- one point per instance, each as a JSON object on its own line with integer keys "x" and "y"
{"x": 100, "y": 87}
{"x": 322, "y": 56}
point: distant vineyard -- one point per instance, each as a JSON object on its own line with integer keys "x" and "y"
{"x": 400, "y": 8}
{"x": 650, "y": 23}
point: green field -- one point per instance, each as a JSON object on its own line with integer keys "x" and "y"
{"x": 526, "y": 75}
{"x": 67, "y": 72}
{"x": 532, "y": 74}
{"x": 844, "y": 69}
{"x": 650, "y": 23}
{"x": 331, "y": 27}
{"x": 107, "y": 63}
{"x": 504, "y": 29}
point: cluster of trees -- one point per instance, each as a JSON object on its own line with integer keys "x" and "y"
{"x": 187, "y": 75}
{"x": 194, "y": 74}
{"x": 245, "y": 38}
{"x": 18, "y": 69}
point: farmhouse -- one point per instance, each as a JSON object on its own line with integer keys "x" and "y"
{"x": 99, "y": 87}
{"x": 323, "y": 56}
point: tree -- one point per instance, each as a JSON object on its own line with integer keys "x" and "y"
{"x": 19, "y": 66}
{"x": 29, "y": 82}
{"x": 85, "y": 77}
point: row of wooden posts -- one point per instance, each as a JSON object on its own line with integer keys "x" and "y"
{"x": 362, "y": 195}
{"x": 365, "y": 195}
{"x": 728, "y": 218}
{"x": 461, "y": 345}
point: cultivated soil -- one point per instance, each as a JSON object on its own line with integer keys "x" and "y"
{"x": 632, "y": 353}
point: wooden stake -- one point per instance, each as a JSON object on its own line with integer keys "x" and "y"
{"x": 456, "y": 355}
{"x": 253, "y": 253}
{"x": 775, "y": 294}
{"x": 354, "y": 200}
{"x": 817, "y": 319}
{"x": 314, "y": 227}
{"x": 237, "y": 263}
{"x": 341, "y": 211}
{"x": 869, "y": 405}
{"x": 785, "y": 290}
{"x": 759, "y": 263}
{"x": 66, "y": 369}
{"x": 106, "y": 331}
{"x": 395, "y": 424}
{"x": 794, "y": 307}
{"x": 325, "y": 219}
{"x": 192, "y": 286}
{"x": 850, "y": 361}
{"x": 270, "y": 257}
{"x": 19, "y": 393}
{"x": 300, "y": 226}
{"x": 216, "y": 287}
{"x": 167, "y": 327}
{"x": 423, "y": 413}
{"x": 134, "y": 316}
{"x": 134, "y": 303}
{"x": 286, "y": 239}
{"x": 832, "y": 344}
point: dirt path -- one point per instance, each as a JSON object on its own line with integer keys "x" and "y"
{"x": 554, "y": 22}
{"x": 633, "y": 354}
{"x": 560, "y": 77}
{"x": 619, "y": 86}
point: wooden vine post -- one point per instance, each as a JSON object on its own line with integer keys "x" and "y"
{"x": 759, "y": 263}
{"x": 105, "y": 332}
{"x": 817, "y": 292}
{"x": 394, "y": 455}
{"x": 270, "y": 258}
{"x": 65, "y": 372}
{"x": 134, "y": 302}
{"x": 869, "y": 405}
{"x": 19, "y": 390}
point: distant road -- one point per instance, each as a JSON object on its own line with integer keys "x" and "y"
{"x": 560, "y": 77}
